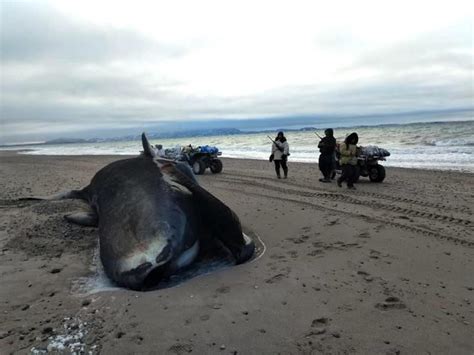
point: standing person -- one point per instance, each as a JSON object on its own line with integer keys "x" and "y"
{"x": 160, "y": 150}
{"x": 280, "y": 152}
{"x": 348, "y": 151}
{"x": 327, "y": 148}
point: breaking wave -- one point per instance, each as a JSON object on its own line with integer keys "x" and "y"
{"x": 439, "y": 145}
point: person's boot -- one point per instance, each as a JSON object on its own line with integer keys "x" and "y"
{"x": 339, "y": 183}
{"x": 286, "y": 175}
{"x": 278, "y": 176}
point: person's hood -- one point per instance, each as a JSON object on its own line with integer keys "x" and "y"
{"x": 352, "y": 138}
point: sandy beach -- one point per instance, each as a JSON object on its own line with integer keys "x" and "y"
{"x": 385, "y": 269}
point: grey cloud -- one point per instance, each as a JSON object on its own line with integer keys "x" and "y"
{"x": 78, "y": 82}
{"x": 378, "y": 96}
{"x": 450, "y": 48}
{"x": 33, "y": 31}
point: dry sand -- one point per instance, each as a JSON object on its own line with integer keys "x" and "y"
{"x": 385, "y": 269}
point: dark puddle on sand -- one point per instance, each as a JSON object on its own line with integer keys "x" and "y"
{"x": 99, "y": 282}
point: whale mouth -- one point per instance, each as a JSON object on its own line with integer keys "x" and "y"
{"x": 164, "y": 268}
{"x": 154, "y": 277}
{"x": 146, "y": 276}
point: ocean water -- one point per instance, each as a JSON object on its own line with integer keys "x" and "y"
{"x": 436, "y": 145}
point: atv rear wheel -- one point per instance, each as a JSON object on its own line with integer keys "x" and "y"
{"x": 376, "y": 173}
{"x": 216, "y": 166}
{"x": 199, "y": 167}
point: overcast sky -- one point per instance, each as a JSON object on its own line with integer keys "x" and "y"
{"x": 71, "y": 66}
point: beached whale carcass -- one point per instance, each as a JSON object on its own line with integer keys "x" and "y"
{"x": 153, "y": 219}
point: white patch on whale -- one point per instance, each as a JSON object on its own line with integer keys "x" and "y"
{"x": 187, "y": 257}
{"x": 147, "y": 254}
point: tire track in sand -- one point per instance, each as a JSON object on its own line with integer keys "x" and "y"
{"x": 378, "y": 195}
{"x": 340, "y": 197}
{"x": 267, "y": 191}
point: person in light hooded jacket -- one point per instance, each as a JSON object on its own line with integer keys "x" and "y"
{"x": 160, "y": 151}
{"x": 280, "y": 152}
{"x": 348, "y": 151}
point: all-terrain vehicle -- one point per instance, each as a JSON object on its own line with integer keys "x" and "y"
{"x": 199, "y": 158}
{"x": 368, "y": 163}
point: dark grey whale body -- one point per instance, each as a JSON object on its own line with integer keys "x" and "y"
{"x": 154, "y": 219}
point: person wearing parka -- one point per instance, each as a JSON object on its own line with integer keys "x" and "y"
{"x": 348, "y": 151}
{"x": 280, "y": 152}
{"x": 327, "y": 148}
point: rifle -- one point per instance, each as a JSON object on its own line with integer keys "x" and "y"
{"x": 276, "y": 145}
{"x": 321, "y": 138}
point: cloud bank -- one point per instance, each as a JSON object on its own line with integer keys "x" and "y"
{"x": 72, "y": 67}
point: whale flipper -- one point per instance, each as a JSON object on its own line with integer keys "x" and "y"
{"x": 72, "y": 194}
{"x": 87, "y": 219}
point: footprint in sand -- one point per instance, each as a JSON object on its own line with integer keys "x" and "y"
{"x": 293, "y": 254}
{"x": 379, "y": 227}
{"x": 390, "y": 303}
{"x": 275, "y": 278}
{"x": 366, "y": 275}
{"x": 319, "y": 326}
{"x": 340, "y": 245}
{"x": 137, "y": 339}
{"x": 315, "y": 252}
{"x": 277, "y": 257}
{"x": 332, "y": 222}
{"x": 364, "y": 235}
{"x": 181, "y": 348}
{"x": 374, "y": 254}
{"x": 299, "y": 240}
{"x": 320, "y": 322}
{"x": 223, "y": 289}
{"x": 284, "y": 273}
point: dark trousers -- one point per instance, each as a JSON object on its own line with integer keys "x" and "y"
{"x": 283, "y": 165}
{"x": 348, "y": 174}
{"x": 326, "y": 164}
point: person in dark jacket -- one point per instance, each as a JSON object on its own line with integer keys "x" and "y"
{"x": 348, "y": 151}
{"x": 280, "y": 152}
{"x": 327, "y": 148}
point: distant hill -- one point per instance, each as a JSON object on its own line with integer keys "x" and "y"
{"x": 196, "y": 133}
{"x": 151, "y": 135}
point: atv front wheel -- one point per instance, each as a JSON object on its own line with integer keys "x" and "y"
{"x": 198, "y": 167}
{"x": 376, "y": 173}
{"x": 216, "y": 166}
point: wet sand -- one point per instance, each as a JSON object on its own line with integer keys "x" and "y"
{"x": 385, "y": 269}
